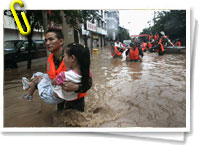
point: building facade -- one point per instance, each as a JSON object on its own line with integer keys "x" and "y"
{"x": 11, "y": 31}
{"x": 96, "y": 32}
{"x": 112, "y": 24}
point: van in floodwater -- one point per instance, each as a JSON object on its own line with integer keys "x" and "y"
{"x": 126, "y": 42}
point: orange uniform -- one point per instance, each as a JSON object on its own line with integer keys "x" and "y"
{"x": 178, "y": 43}
{"x": 134, "y": 55}
{"x": 53, "y": 72}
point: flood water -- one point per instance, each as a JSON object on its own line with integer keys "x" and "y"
{"x": 151, "y": 93}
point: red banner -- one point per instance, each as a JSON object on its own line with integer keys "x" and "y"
{"x": 142, "y": 35}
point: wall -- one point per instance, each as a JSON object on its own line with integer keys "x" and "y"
{"x": 10, "y": 34}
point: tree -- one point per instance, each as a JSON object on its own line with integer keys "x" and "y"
{"x": 145, "y": 31}
{"x": 172, "y": 22}
{"x": 36, "y": 22}
{"x": 75, "y": 18}
{"x": 123, "y": 34}
{"x": 45, "y": 25}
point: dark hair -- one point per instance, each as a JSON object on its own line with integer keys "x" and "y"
{"x": 82, "y": 55}
{"x": 58, "y": 33}
{"x": 132, "y": 45}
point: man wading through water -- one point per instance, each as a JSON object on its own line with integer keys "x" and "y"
{"x": 54, "y": 41}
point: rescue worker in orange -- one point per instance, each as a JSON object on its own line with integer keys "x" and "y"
{"x": 160, "y": 45}
{"x": 54, "y": 41}
{"x": 156, "y": 37}
{"x": 177, "y": 43}
{"x": 150, "y": 37}
{"x": 134, "y": 53}
{"x": 149, "y": 45}
{"x": 144, "y": 46}
{"x": 117, "y": 50}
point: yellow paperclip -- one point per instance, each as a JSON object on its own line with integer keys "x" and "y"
{"x": 23, "y": 16}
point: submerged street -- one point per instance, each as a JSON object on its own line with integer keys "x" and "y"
{"x": 151, "y": 93}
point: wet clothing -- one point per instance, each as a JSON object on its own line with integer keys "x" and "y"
{"x": 160, "y": 48}
{"x": 150, "y": 45}
{"x": 45, "y": 89}
{"x": 52, "y": 68}
{"x": 178, "y": 43}
{"x": 69, "y": 75}
{"x": 144, "y": 46}
{"x": 53, "y": 72}
{"x": 77, "y": 104}
{"x": 139, "y": 49}
{"x": 150, "y": 37}
{"x": 134, "y": 54}
{"x": 115, "y": 52}
{"x": 156, "y": 37}
{"x": 120, "y": 45}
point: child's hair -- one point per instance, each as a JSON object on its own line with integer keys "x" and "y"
{"x": 82, "y": 55}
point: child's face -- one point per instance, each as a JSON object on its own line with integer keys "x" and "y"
{"x": 68, "y": 60}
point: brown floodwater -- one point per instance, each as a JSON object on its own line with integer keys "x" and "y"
{"x": 151, "y": 93}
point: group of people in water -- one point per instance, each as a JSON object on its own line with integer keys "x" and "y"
{"x": 134, "y": 51}
{"x": 68, "y": 76}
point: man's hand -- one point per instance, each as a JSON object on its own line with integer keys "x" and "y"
{"x": 140, "y": 58}
{"x": 69, "y": 86}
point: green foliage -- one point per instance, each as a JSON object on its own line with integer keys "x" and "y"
{"x": 34, "y": 18}
{"x": 75, "y": 17}
{"x": 123, "y": 34}
{"x": 172, "y": 22}
{"x": 145, "y": 31}
{"x": 55, "y": 16}
{"x": 36, "y": 22}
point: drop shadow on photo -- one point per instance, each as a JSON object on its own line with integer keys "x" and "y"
{"x": 91, "y": 134}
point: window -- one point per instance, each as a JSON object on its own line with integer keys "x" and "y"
{"x": 40, "y": 44}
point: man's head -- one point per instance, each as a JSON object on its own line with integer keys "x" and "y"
{"x": 135, "y": 39}
{"x": 132, "y": 45}
{"x": 54, "y": 40}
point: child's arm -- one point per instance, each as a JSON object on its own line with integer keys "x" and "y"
{"x": 60, "y": 78}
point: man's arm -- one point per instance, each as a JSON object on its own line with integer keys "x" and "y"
{"x": 140, "y": 52}
{"x": 70, "y": 86}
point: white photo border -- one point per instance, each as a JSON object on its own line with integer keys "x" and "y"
{"x": 84, "y": 129}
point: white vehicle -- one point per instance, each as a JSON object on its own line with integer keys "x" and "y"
{"x": 126, "y": 42}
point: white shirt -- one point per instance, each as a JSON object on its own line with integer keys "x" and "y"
{"x": 119, "y": 45}
{"x": 69, "y": 76}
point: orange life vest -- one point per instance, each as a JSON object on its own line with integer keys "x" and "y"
{"x": 134, "y": 55}
{"x": 156, "y": 37}
{"x": 52, "y": 72}
{"x": 178, "y": 43}
{"x": 150, "y": 45}
{"x": 150, "y": 37}
{"x": 116, "y": 51}
{"x": 144, "y": 46}
{"x": 161, "y": 45}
